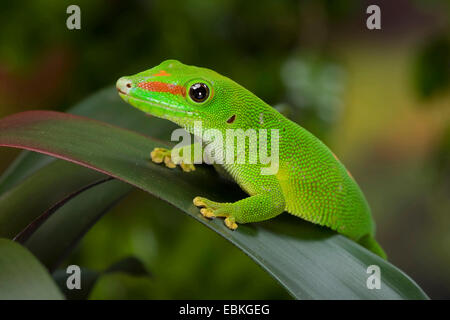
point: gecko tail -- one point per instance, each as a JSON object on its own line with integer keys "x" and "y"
{"x": 369, "y": 242}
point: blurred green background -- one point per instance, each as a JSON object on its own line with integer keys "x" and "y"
{"x": 380, "y": 99}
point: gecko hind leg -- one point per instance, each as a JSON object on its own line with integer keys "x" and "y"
{"x": 211, "y": 209}
{"x": 255, "y": 208}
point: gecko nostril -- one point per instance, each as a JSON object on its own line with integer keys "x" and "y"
{"x": 129, "y": 85}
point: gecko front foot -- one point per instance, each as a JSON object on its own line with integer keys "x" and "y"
{"x": 211, "y": 209}
{"x": 160, "y": 155}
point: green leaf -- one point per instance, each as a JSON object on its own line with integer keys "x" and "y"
{"x": 36, "y": 171}
{"x": 62, "y": 230}
{"x": 51, "y": 241}
{"x": 131, "y": 266}
{"x": 22, "y": 276}
{"x": 23, "y": 166}
{"x": 26, "y": 202}
{"x": 309, "y": 261}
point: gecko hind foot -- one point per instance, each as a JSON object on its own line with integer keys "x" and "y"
{"x": 211, "y": 209}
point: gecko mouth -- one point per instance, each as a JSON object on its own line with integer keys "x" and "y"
{"x": 153, "y": 103}
{"x": 120, "y": 91}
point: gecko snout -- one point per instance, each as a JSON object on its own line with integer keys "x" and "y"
{"x": 124, "y": 85}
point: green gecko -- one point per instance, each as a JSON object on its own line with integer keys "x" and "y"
{"x": 310, "y": 183}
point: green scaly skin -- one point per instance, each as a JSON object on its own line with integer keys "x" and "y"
{"x": 311, "y": 182}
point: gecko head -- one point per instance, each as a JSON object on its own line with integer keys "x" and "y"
{"x": 183, "y": 94}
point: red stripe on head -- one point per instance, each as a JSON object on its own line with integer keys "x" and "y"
{"x": 161, "y": 73}
{"x": 157, "y": 86}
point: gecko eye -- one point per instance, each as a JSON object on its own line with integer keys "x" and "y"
{"x": 199, "y": 92}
